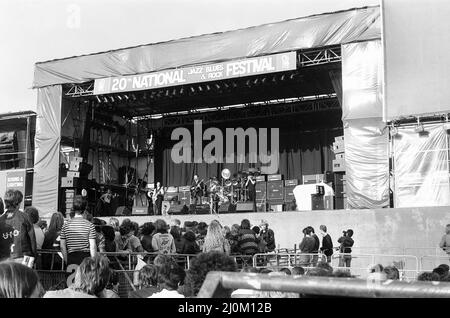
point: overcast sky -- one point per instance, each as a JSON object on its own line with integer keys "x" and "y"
{"x": 39, "y": 30}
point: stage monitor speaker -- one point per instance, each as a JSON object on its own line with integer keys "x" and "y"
{"x": 199, "y": 209}
{"x": 275, "y": 190}
{"x": 123, "y": 210}
{"x": 261, "y": 190}
{"x": 244, "y": 207}
{"x": 178, "y": 209}
{"x": 139, "y": 210}
{"x": 317, "y": 202}
{"x": 227, "y": 208}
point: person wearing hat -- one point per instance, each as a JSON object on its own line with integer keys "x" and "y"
{"x": 267, "y": 235}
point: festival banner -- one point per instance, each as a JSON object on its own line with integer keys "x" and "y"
{"x": 197, "y": 74}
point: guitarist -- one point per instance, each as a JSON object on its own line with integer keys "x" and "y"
{"x": 197, "y": 190}
{"x": 158, "y": 197}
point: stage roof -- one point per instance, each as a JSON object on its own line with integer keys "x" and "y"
{"x": 321, "y": 30}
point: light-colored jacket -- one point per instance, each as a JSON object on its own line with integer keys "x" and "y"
{"x": 445, "y": 243}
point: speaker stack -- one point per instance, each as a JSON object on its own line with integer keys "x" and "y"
{"x": 275, "y": 192}
{"x": 178, "y": 209}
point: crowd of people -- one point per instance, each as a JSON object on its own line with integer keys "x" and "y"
{"x": 165, "y": 278}
{"x": 84, "y": 241}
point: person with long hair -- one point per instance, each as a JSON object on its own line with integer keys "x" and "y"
{"x": 148, "y": 282}
{"x": 91, "y": 279}
{"x": 52, "y": 240}
{"x": 215, "y": 239}
{"x": 19, "y": 281}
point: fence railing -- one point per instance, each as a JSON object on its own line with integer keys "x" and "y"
{"x": 218, "y": 284}
{"x": 359, "y": 264}
{"x": 278, "y": 260}
{"x": 429, "y": 262}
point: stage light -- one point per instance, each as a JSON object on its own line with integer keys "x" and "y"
{"x": 292, "y": 76}
{"x": 105, "y": 99}
{"x": 264, "y": 80}
{"x": 208, "y": 88}
{"x": 247, "y": 83}
{"x": 192, "y": 90}
{"x": 217, "y": 86}
{"x": 182, "y": 91}
{"x": 98, "y": 99}
{"x": 126, "y": 97}
{"x": 167, "y": 93}
{"x": 255, "y": 82}
{"x": 283, "y": 77}
{"x": 112, "y": 99}
{"x": 119, "y": 97}
{"x": 200, "y": 89}
{"x": 226, "y": 85}
{"x": 133, "y": 97}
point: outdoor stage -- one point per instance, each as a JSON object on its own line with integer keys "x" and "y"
{"x": 381, "y": 230}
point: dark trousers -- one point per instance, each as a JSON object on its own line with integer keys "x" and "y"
{"x": 158, "y": 205}
{"x": 77, "y": 257}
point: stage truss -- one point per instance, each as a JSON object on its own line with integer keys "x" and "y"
{"x": 305, "y": 58}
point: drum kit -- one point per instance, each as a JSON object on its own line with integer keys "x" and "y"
{"x": 229, "y": 189}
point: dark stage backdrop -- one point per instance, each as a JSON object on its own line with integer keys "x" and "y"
{"x": 301, "y": 153}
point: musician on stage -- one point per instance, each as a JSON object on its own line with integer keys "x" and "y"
{"x": 251, "y": 190}
{"x": 196, "y": 190}
{"x": 140, "y": 197}
{"x": 158, "y": 197}
{"x": 103, "y": 206}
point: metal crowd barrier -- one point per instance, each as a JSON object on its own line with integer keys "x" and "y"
{"x": 429, "y": 262}
{"x": 218, "y": 284}
{"x": 279, "y": 260}
{"x": 360, "y": 264}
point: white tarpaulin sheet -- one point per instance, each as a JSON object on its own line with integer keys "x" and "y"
{"x": 46, "y": 156}
{"x": 421, "y": 170}
{"x": 302, "y": 33}
{"x": 365, "y": 134}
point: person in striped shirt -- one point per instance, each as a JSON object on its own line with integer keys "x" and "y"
{"x": 78, "y": 235}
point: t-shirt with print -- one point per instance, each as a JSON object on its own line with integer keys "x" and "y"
{"x": 23, "y": 233}
{"x": 164, "y": 243}
{"x": 6, "y": 239}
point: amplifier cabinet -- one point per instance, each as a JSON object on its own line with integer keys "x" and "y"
{"x": 261, "y": 191}
{"x": 275, "y": 190}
